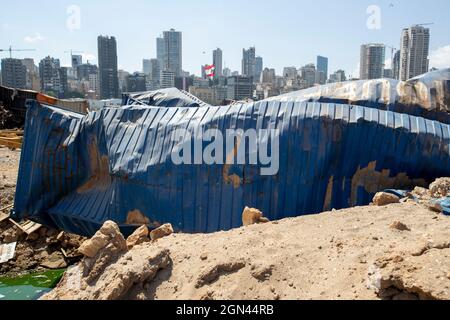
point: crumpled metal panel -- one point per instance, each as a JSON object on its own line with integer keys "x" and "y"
{"x": 76, "y": 172}
{"x": 426, "y": 96}
{"x": 169, "y": 98}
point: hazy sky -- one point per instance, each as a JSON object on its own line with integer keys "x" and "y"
{"x": 285, "y": 32}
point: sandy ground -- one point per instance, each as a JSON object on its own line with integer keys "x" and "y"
{"x": 358, "y": 253}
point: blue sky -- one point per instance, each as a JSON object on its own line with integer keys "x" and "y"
{"x": 285, "y": 32}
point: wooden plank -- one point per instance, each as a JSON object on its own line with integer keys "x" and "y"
{"x": 4, "y": 216}
{"x": 11, "y": 143}
{"x": 27, "y": 226}
{"x": 6, "y": 208}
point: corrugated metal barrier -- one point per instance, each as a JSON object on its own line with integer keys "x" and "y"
{"x": 78, "y": 171}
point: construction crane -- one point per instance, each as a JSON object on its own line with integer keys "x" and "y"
{"x": 11, "y": 50}
{"x": 425, "y": 24}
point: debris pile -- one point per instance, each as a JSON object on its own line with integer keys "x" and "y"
{"x": 37, "y": 248}
{"x": 398, "y": 251}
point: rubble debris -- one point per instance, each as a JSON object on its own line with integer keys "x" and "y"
{"x": 421, "y": 193}
{"x": 397, "y": 225}
{"x": 140, "y": 236}
{"x": 109, "y": 234}
{"x": 54, "y": 261}
{"x": 113, "y": 272}
{"x": 252, "y": 216}
{"x": 383, "y": 199}
{"x": 272, "y": 261}
{"x": 7, "y": 251}
{"x": 440, "y": 188}
{"x": 163, "y": 231}
{"x": 27, "y": 226}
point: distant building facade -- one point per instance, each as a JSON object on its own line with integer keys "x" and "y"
{"x": 415, "y": 45}
{"x": 218, "y": 62}
{"x": 372, "y": 61}
{"x": 259, "y": 65}
{"x": 14, "y": 73}
{"x": 167, "y": 79}
{"x": 249, "y": 62}
{"x": 173, "y": 52}
{"x": 137, "y": 82}
{"x": 322, "y": 69}
{"x": 240, "y": 87}
{"x": 107, "y": 65}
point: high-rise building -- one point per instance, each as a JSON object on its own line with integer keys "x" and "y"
{"x": 76, "y": 61}
{"x": 218, "y": 63}
{"x": 33, "y": 81}
{"x": 60, "y": 84}
{"x": 107, "y": 65}
{"x": 53, "y": 77}
{"x": 173, "y": 52}
{"x": 249, "y": 62}
{"x": 146, "y": 66}
{"x": 47, "y": 71}
{"x": 396, "y": 65}
{"x": 290, "y": 72}
{"x": 338, "y": 76}
{"x": 14, "y": 73}
{"x": 259, "y": 64}
{"x": 137, "y": 82}
{"x": 240, "y": 87}
{"x": 155, "y": 71}
{"x": 160, "y": 51}
{"x": 94, "y": 84}
{"x": 85, "y": 70}
{"x": 308, "y": 73}
{"x": 322, "y": 69}
{"x": 372, "y": 61}
{"x": 123, "y": 77}
{"x": 167, "y": 79}
{"x": 415, "y": 46}
{"x": 268, "y": 76}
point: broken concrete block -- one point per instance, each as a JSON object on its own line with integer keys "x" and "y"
{"x": 383, "y": 199}
{"x": 253, "y": 216}
{"x": 109, "y": 233}
{"x": 440, "y": 188}
{"x": 161, "y": 232}
{"x": 54, "y": 261}
{"x": 140, "y": 236}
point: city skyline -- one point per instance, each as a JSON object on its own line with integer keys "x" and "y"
{"x": 296, "y": 44}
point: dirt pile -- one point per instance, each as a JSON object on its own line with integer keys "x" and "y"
{"x": 395, "y": 251}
